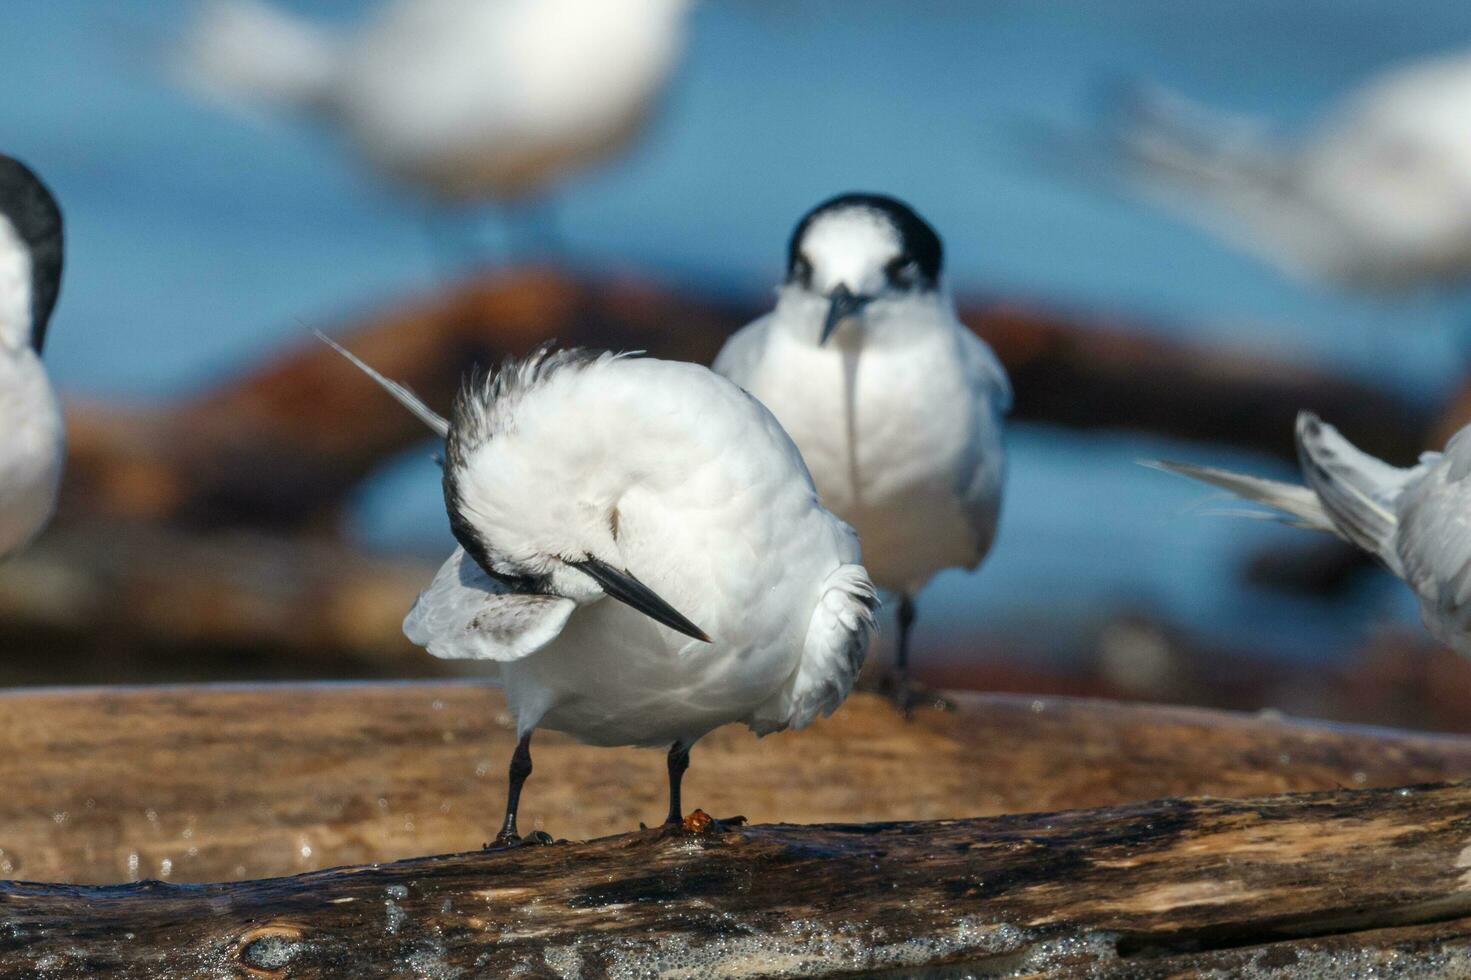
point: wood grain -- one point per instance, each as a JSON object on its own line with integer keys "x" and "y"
{"x": 194, "y": 784}
{"x": 1276, "y": 886}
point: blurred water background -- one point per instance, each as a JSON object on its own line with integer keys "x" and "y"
{"x": 198, "y": 245}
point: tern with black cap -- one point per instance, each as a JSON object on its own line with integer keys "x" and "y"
{"x": 896, "y": 406}
{"x": 32, "y": 436}
{"x": 642, "y": 558}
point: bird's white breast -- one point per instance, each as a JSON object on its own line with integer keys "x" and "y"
{"x": 888, "y": 434}
{"x": 31, "y": 449}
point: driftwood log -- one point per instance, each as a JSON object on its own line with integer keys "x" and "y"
{"x": 282, "y": 445}
{"x": 1339, "y": 884}
{"x": 230, "y": 782}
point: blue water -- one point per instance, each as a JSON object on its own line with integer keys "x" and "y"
{"x": 199, "y": 242}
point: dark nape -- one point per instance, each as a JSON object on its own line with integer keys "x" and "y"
{"x": 32, "y": 210}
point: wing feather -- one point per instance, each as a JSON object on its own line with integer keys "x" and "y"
{"x": 982, "y": 473}
{"x": 466, "y": 614}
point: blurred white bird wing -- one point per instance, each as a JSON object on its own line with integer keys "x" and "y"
{"x": 983, "y": 468}
{"x": 465, "y": 614}
{"x": 836, "y": 645}
{"x": 741, "y": 356}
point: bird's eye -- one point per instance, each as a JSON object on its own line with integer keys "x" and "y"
{"x": 902, "y": 273}
{"x": 801, "y": 271}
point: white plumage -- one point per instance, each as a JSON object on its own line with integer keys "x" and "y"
{"x": 1415, "y": 520}
{"x": 465, "y": 99}
{"x": 570, "y": 477}
{"x": 896, "y": 406}
{"x": 32, "y": 436}
{"x": 1376, "y": 196}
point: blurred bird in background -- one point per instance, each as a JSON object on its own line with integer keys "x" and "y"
{"x": 1412, "y": 519}
{"x": 1376, "y": 197}
{"x": 32, "y": 436}
{"x": 572, "y": 477}
{"x": 896, "y": 405}
{"x": 464, "y": 101}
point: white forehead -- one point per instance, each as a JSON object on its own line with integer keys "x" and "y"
{"x": 15, "y": 287}
{"x": 852, "y": 236}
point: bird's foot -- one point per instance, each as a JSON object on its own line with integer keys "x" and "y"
{"x": 909, "y": 694}
{"x": 701, "y": 824}
{"x": 505, "y": 840}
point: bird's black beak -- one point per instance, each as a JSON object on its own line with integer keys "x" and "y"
{"x": 625, "y": 588}
{"x": 843, "y": 303}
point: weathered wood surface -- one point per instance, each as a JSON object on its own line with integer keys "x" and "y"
{"x": 1324, "y": 885}
{"x": 216, "y": 783}
{"x": 282, "y": 445}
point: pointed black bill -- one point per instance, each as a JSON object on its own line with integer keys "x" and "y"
{"x": 843, "y": 303}
{"x": 627, "y": 589}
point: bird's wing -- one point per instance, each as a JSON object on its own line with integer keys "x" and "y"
{"x": 1230, "y": 175}
{"x": 1358, "y": 492}
{"x": 1433, "y": 544}
{"x": 466, "y": 614}
{"x": 983, "y": 367}
{"x": 741, "y": 355}
{"x": 982, "y": 472}
{"x": 246, "y": 51}
{"x": 836, "y": 645}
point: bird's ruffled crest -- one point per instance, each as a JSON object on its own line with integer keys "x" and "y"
{"x": 486, "y": 404}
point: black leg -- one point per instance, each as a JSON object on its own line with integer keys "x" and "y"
{"x": 906, "y": 621}
{"x": 679, "y": 761}
{"x": 900, "y": 685}
{"x": 520, "y": 769}
{"x": 699, "y": 822}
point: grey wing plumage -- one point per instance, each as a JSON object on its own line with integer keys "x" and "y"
{"x": 1434, "y": 540}
{"x": 1434, "y": 545}
{"x": 1358, "y": 492}
{"x": 983, "y": 473}
{"x": 465, "y": 614}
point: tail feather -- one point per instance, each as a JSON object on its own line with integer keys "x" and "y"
{"x": 1348, "y": 493}
{"x": 247, "y": 51}
{"x": 1296, "y": 505}
{"x": 401, "y": 394}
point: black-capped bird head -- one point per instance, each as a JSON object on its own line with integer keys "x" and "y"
{"x": 525, "y": 518}
{"x": 856, "y": 249}
{"x": 30, "y": 244}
